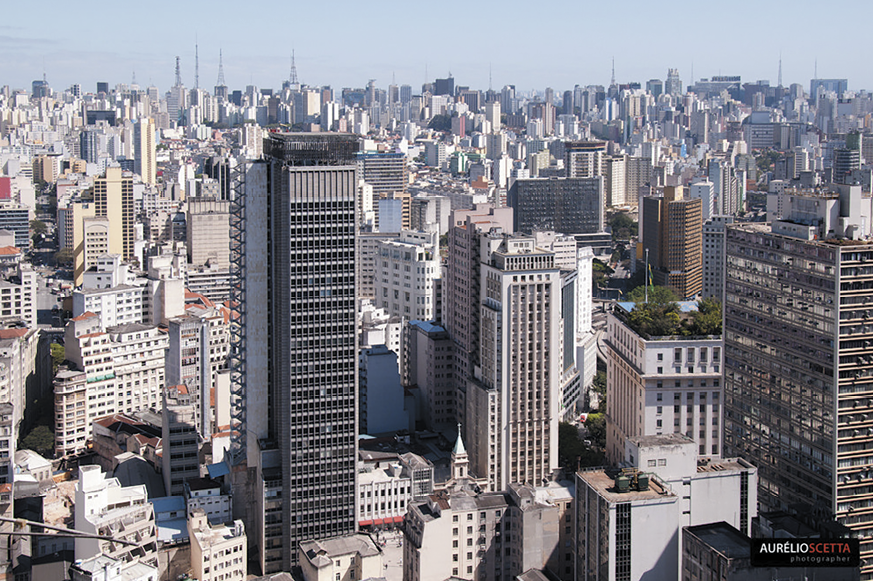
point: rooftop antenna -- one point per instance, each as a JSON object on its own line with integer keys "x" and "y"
{"x": 393, "y": 78}
{"x": 196, "y": 64}
{"x": 178, "y": 73}
{"x": 780, "y": 68}
{"x": 220, "y": 81}
{"x": 489, "y": 77}
{"x": 292, "y": 77}
{"x": 133, "y": 80}
{"x": 692, "y": 72}
{"x": 613, "y": 72}
{"x": 425, "y": 72}
{"x": 815, "y": 74}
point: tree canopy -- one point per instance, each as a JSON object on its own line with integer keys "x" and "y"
{"x": 623, "y": 226}
{"x": 440, "y": 123}
{"x": 658, "y": 295}
{"x": 662, "y": 318}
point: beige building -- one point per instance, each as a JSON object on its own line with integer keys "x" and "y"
{"x": 662, "y": 385}
{"x": 218, "y": 553}
{"x": 489, "y": 536}
{"x": 145, "y": 162}
{"x": 348, "y": 558}
{"x": 515, "y": 393}
{"x": 113, "y": 201}
{"x": 208, "y": 227}
{"x": 672, "y": 231}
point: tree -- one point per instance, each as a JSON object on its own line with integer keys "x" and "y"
{"x": 658, "y": 295}
{"x": 596, "y": 424}
{"x": 707, "y": 319}
{"x": 623, "y": 226}
{"x": 40, "y": 440}
{"x": 38, "y": 227}
{"x": 59, "y": 354}
{"x": 64, "y": 257}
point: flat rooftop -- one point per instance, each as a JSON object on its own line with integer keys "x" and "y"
{"x": 724, "y": 539}
{"x": 604, "y": 485}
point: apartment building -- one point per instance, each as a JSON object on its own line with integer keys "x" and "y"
{"x": 218, "y": 552}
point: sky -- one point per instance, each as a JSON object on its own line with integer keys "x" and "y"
{"x": 532, "y": 45}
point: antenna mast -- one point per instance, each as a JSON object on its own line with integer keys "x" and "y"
{"x": 196, "y": 65}
{"x": 220, "y": 81}
{"x": 178, "y": 73}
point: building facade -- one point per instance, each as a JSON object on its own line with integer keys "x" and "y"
{"x": 295, "y": 356}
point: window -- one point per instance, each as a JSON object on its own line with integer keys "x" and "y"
{"x": 454, "y": 518}
{"x": 677, "y": 354}
{"x": 651, "y": 463}
{"x": 660, "y": 396}
{"x": 469, "y": 516}
{"x": 659, "y": 423}
{"x": 662, "y": 461}
{"x": 660, "y": 356}
{"x": 690, "y": 396}
{"x": 659, "y": 409}
{"x": 660, "y": 370}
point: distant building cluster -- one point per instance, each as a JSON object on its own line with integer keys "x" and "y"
{"x": 606, "y": 333}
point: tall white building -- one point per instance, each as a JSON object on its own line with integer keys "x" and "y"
{"x": 405, "y": 274}
{"x": 218, "y": 552}
{"x": 705, "y": 192}
{"x": 514, "y": 393}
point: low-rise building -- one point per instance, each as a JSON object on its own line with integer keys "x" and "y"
{"x": 464, "y": 534}
{"x": 206, "y": 494}
{"x": 118, "y": 305}
{"x": 347, "y": 558}
{"x": 388, "y": 483}
{"x": 104, "y": 507}
{"x": 218, "y": 553}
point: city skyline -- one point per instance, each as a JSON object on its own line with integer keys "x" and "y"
{"x": 384, "y": 44}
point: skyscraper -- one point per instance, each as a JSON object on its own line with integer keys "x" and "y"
{"x": 144, "y": 162}
{"x": 797, "y": 359}
{"x": 294, "y": 354}
{"x": 672, "y": 230}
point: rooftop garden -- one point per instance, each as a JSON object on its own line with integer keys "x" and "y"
{"x": 661, "y": 315}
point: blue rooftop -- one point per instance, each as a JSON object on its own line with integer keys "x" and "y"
{"x": 684, "y": 306}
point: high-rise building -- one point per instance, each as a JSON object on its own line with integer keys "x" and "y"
{"x": 386, "y": 172}
{"x": 566, "y": 205}
{"x": 672, "y": 231}
{"x": 673, "y": 84}
{"x": 208, "y": 237}
{"x": 713, "y": 257}
{"x": 144, "y": 161}
{"x": 462, "y": 286}
{"x": 584, "y": 159}
{"x": 406, "y": 268}
{"x": 113, "y": 200}
{"x": 515, "y": 392}
{"x": 798, "y": 388}
{"x": 179, "y": 437}
{"x": 661, "y": 385}
{"x": 295, "y": 352}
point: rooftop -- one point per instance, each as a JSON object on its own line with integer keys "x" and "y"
{"x": 724, "y": 539}
{"x": 604, "y": 485}
{"x": 322, "y": 553}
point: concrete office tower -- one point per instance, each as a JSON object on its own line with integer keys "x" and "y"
{"x": 615, "y": 179}
{"x": 806, "y": 359}
{"x": 16, "y": 218}
{"x": 189, "y": 365}
{"x": 295, "y": 352}
{"x": 427, "y": 364}
{"x": 428, "y": 213}
{"x": 384, "y": 406}
{"x": 584, "y": 159}
{"x": 565, "y": 205}
{"x": 208, "y": 232}
{"x": 462, "y": 289}
{"x": 386, "y": 172}
{"x": 179, "y": 436}
{"x": 673, "y": 84}
{"x": 144, "y": 161}
{"x": 495, "y": 145}
{"x": 713, "y": 257}
{"x": 490, "y": 535}
{"x": 104, "y": 507}
{"x": 661, "y": 385}
{"x": 514, "y": 393}
{"x": 672, "y": 232}
{"x": 704, "y": 191}
{"x": 492, "y": 115}
{"x": 406, "y": 268}
{"x": 629, "y": 525}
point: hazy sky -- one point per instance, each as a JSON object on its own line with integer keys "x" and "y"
{"x": 343, "y": 44}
